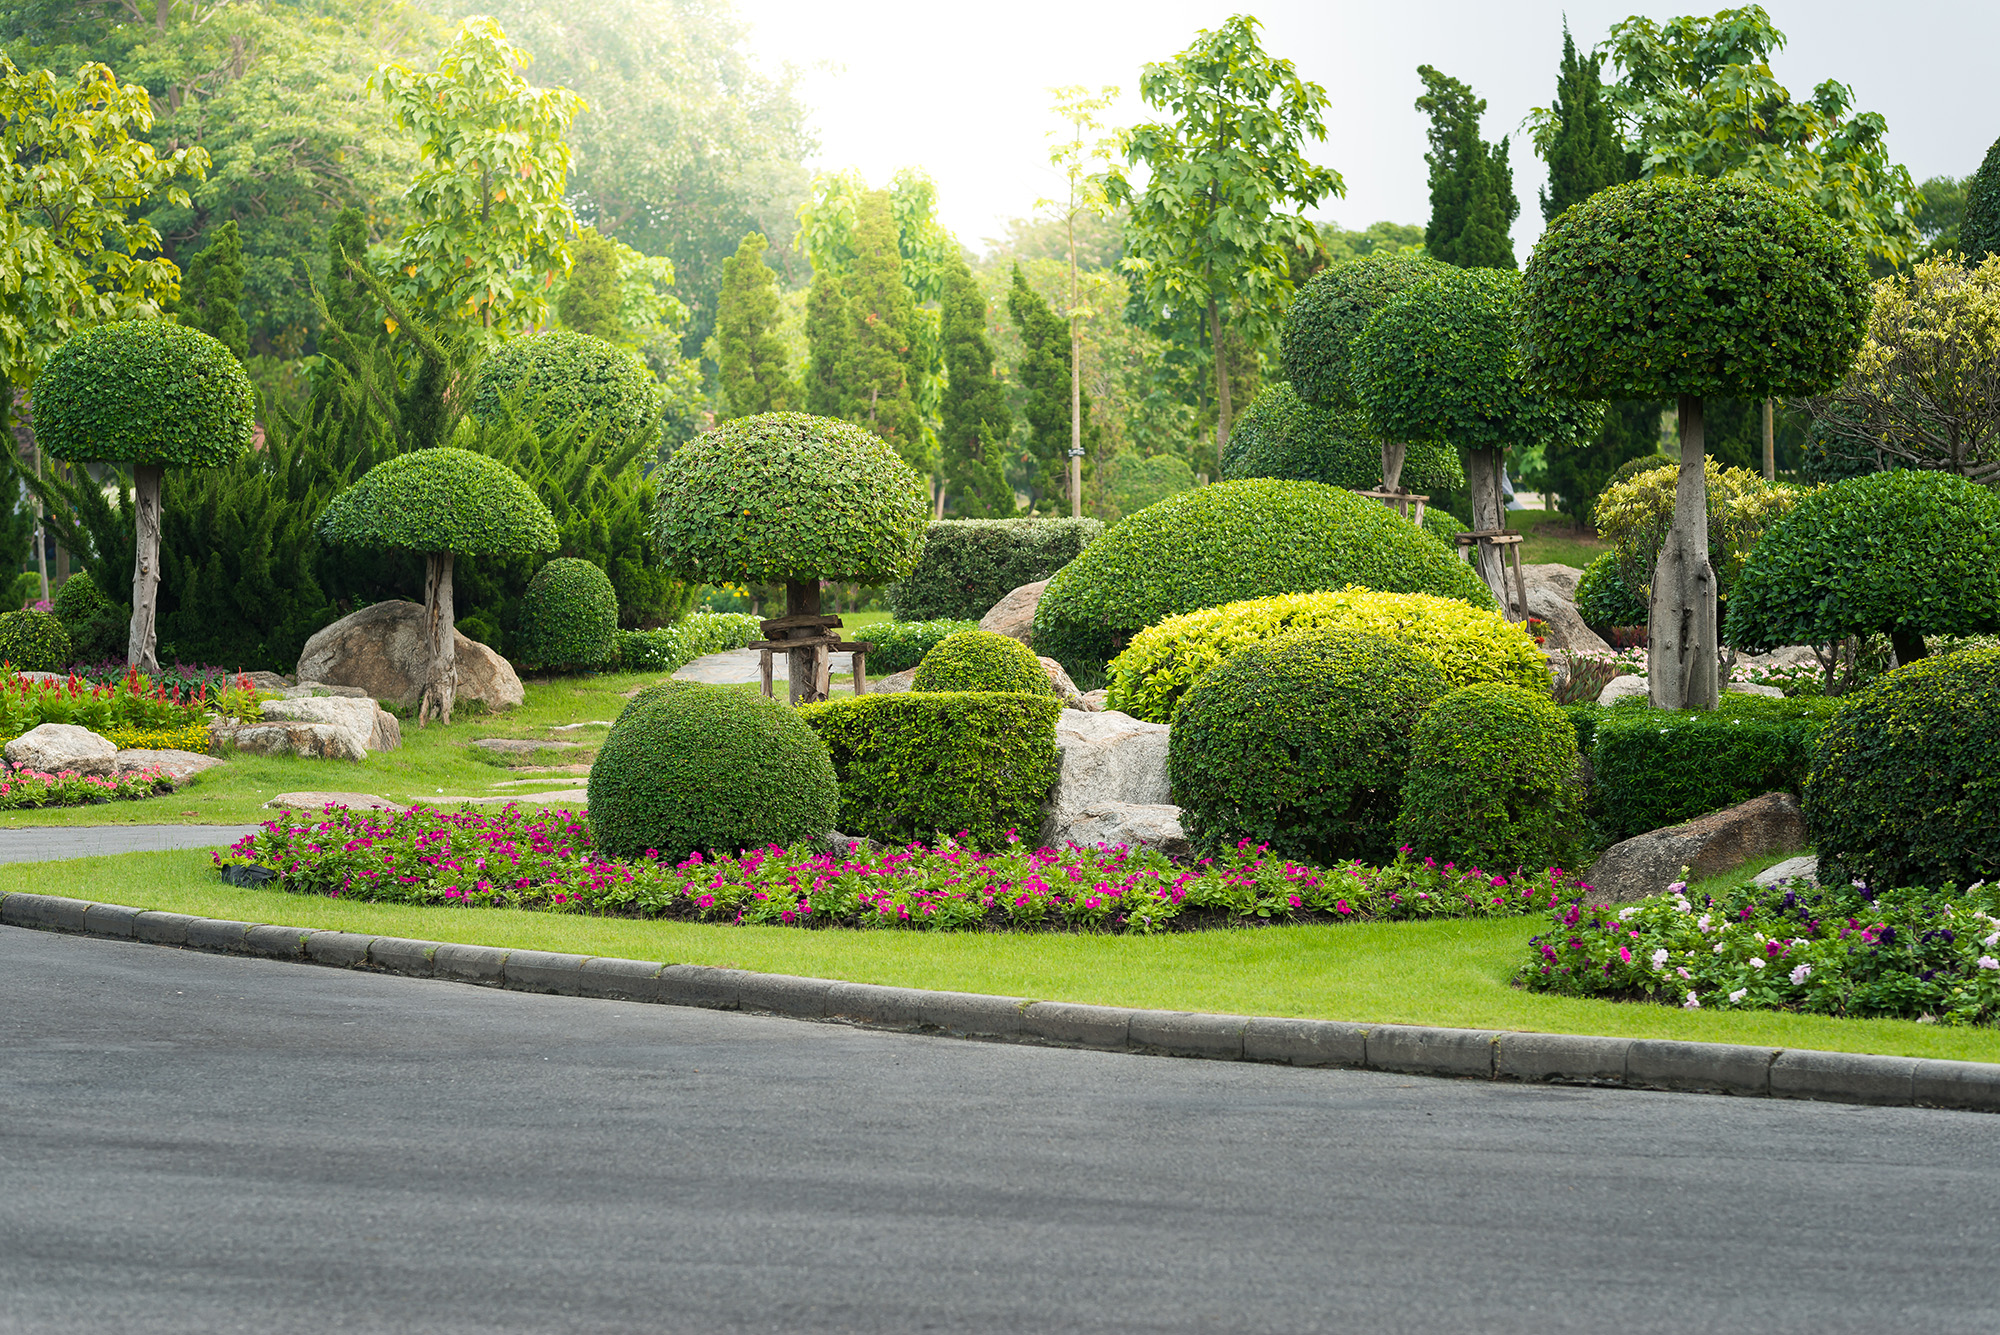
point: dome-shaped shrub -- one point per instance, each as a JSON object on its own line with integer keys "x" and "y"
{"x": 981, "y": 660}
{"x": 144, "y": 392}
{"x": 1283, "y": 436}
{"x": 1227, "y": 542}
{"x": 1492, "y": 781}
{"x": 96, "y": 624}
{"x": 558, "y": 378}
{"x": 34, "y": 641}
{"x": 1904, "y": 787}
{"x": 1603, "y": 599}
{"x": 1903, "y": 554}
{"x": 897, "y": 646}
{"x": 1443, "y": 525}
{"x": 1301, "y": 743}
{"x": 1467, "y": 644}
{"x": 710, "y": 769}
{"x": 569, "y": 616}
{"x": 1316, "y": 350}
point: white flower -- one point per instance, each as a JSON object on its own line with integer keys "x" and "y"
{"x": 1660, "y": 958}
{"x": 1739, "y": 994}
{"x": 1993, "y": 940}
{"x": 1703, "y": 921}
{"x": 1693, "y": 1003}
{"x": 1717, "y": 950}
{"x": 1756, "y": 963}
{"x": 1800, "y": 974}
{"x": 1988, "y": 962}
{"x": 1625, "y": 914}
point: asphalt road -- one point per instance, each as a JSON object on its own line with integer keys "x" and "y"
{"x": 49, "y": 843}
{"x": 196, "y": 1143}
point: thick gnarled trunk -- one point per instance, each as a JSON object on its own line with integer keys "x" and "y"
{"x": 440, "y": 642}
{"x": 141, "y": 649}
{"x": 1682, "y": 643}
{"x": 1393, "y": 454}
{"x": 802, "y": 665}
{"x": 1489, "y": 515}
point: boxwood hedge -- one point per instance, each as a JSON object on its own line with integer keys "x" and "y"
{"x": 981, "y": 660}
{"x": 569, "y": 616}
{"x": 1492, "y": 782}
{"x": 968, "y": 565}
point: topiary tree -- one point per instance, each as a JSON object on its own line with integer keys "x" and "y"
{"x": 1440, "y": 362}
{"x": 1902, "y": 554}
{"x": 149, "y": 394}
{"x": 792, "y": 499}
{"x": 981, "y": 660}
{"x": 1979, "y": 225}
{"x": 1328, "y": 314}
{"x": 1301, "y": 743}
{"x": 1283, "y": 436}
{"x": 1689, "y": 289}
{"x": 442, "y": 503}
{"x": 34, "y": 641}
{"x": 569, "y": 615}
{"x": 560, "y": 378}
{"x": 705, "y": 769}
{"x": 1492, "y": 781}
{"x": 1227, "y": 542}
{"x": 1636, "y": 516}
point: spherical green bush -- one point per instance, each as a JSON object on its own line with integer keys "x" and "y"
{"x": 981, "y": 660}
{"x": 1283, "y": 436}
{"x": 785, "y": 496}
{"x": 1604, "y": 599}
{"x": 144, "y": 392}
{"x": 897, "y": 646}
{"x": 98, "y": 627}
{"x": 1903, "y": 554}
{"x": 1301, "y": 743}
{"x": 440, "y": 500}
{"x": 1228, "y": 542}
{"x": 1904, "y": 789}
{"x": 569, "y": 616}
{"x": 1316, "y": 349}
{"x": 559, "y": 377}
{"x": 708, "y": 769}
{"x": 32, "y": 641}
{"x": 1492, "y": 782}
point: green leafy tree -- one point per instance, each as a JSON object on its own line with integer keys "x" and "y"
{"x": 976, "y": 424}
{"x": 1378, "y": 238}
{"x": 1043, "y": 374}
{"x": 1577, "y": 136}
{"x": 1076, "y": 156}
{"x": 212, "y": 291}
{"x": 1979, "y": 228}
{"x": 1472, "y": 186}
{"x": 1943, "y": 213}
{"x": 755, "y": 378}
{"x": 1211, "y": 234}
{"x": 591, "y": 301}
{"x": 828, "y": 336}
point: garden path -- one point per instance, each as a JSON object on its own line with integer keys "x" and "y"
{"x": 53, "y": 843}
{"x": 734, "y": 667}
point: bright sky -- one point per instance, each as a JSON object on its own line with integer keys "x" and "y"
{"x": 962, "y": 90}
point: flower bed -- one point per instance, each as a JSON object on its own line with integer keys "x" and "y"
{"x": 543, "y": 860}
{"x": 132, "y": 705}
{"x": 1849, "y": 950}
{"x": 32, "y": 788}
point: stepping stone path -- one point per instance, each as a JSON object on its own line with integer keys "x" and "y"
{"x": 521, "y": 746}
{"x": 318, "y": 801}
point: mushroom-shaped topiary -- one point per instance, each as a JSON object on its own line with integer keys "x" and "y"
{"x": 443, "y": 503}
{"x": 1691, "y": 288}
{"x": 1439, "y": 362}
{"x": 1903, "y": 554}
{"x": 793, "y": 499}
{"x": 1283, "y": 436}
{"x": 560, "y": 377}
{"x": 149, "y": 394}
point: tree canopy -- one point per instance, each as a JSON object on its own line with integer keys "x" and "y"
{"x": 1577, "y": 136}
{"x": 1472, "y": 185}
{"x": 755, "y": 378}
{"x": 440, "y": 500}
{"x": 976, "y": 423}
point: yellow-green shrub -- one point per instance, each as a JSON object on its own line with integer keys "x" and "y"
{"x": 1635, "y": 515}
{"x": 1468, "y": 644}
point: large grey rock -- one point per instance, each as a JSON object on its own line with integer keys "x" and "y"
{"x": 1556, "y": 610}
{"x": 180, "y": 766}
{"x": 1799, "y": 870}
{"x": 320, "y": 690}
{"x": 894, "y": 682}
{"x": 1094, "y": 700}
{"x": 1155, "y": 825}
{"x": 1753, "y": 688}
{"x": 1622, "y": 688}
{"x": 355, "y": 715}
{"x": 1014, "y": 615}
{"x": 381, "y": 650}
{"x": 1110, "y": 757}
{"x": 1065, "y": 688}
{"x": 1648, "y": 863}
{"x": 284, "y": 737}
{"x": 268, "y": 681}
{"x": 1557, "y": 578}
{"x": 312, "y": 803}
{"x": 51, "y": 748}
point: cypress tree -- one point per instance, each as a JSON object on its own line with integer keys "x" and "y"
{"x": 212, "y": 290}
{"x": 591, "y": 300}
{"x": 827, "y": 325}
{"x": 882, "y": 333}
{"x": 348, "y": 304}
{"x": 1472, "y": 185}
{"x": 1043, "y": 375}
{"x": 1585, "y": 155}
{"x": 976, "y": 421}
{"x": 1979, "y": 229}
{"x": 754, "y": 376}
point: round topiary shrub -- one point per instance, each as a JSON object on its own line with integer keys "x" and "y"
{"x": 569, "y": 616}
{"x": 1492, "y": 781}
{"x": 1903, "y": 554}
{"x": 1316, "y": 349}
{"x": 97, "y": 626}
{"x": 558, "y": 378}
{"x": 32, "y": 641}
{"x": 1467, "y": 644}
{"x": 1228, "y": 542}
{"x": 981, "y": 660}
{"x": 709, "y": 769}
{"x": 1604, "y": 599}
{"x": 1283, "y": 436}
{"x": 897, "y": 646}
{"x": 1903, "y": 788}
{"x": 1443, "y": 525}
{"x": 1301, "y": 743}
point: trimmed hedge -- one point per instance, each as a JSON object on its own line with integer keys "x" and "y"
{"x": 1492, "y": 782}
{"x": 673, "y": 647}
{"x": 1467, "y": 644}
{"x": 1283, "y": 436}
{"x": 1443, "y": 525}
{"x": 895, "y": 646}
{"x": 1301, "y": 744}
{"x": 569, "y": 616}
{"x": 974, "y": 765}
{"x": 1905, "y": 786}
{"x": 99, "y": 627}
{"x": 981, "y": 660}
{"x": 708, "y": 769}
{"x": 144, "y": 392}
{"x": 1604, "y": 599}
{"x": 1658, "y": 767}
{"x": 968, "y": 565}
{"x": 1228, "y": 542}
{"x": 559, "y": 378}
{"x": 440, "y": 500}
{"x": 34, "y": 641}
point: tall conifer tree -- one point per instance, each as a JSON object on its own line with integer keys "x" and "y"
{"x": 976, "y": 423}
{"x": 1584, "y": 153}
{"x": 827, "y": 342}
{"x": 212, "y": 291}
{"x": 755, "y": 378}
{"x": 1472, "y": 185}
{"x": 882, "y": 334}
{"x": 591, "y": 299}
{"x": 1044, "y": 374}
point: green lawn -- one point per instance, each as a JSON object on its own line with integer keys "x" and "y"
{"x": 1443, "y": 973}
{"x": 1553, "y": 538}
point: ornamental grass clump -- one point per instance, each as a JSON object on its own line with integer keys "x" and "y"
{"x": 981, "y": 660}
{"x": 1493, "y": 781}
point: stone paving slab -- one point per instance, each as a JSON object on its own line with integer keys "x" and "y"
{"x": 734, "y": 667}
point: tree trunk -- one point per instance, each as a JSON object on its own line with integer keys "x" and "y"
{"x": 1681, "y": 642}
{"x": 1908, "y": 644}
{"x": 1222, "y": 409}
{"x": 801, "y": 665}
{"x": 1770, "y": 443}
{"x": 1489, "y": 515}
{"x": 1393, "y": 454}
{"x": 140, "y": 650}
{"x": 440, "y": 639}
{"x": 1075, "y": 414}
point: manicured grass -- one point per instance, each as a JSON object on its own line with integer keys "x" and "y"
{"x": 1442, "y": 973}
{"x": 1553, "y": 538}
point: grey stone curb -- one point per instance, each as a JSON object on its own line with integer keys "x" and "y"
{"x": 1632, "y": 1063}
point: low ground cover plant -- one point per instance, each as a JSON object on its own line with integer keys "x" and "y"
{"x": 1845, "y": 950}
{"x": 896, "y": 646}
{"x": 36, "y": 788}
{"x": 671, "y": 648}
{"x": 546, "y": 860}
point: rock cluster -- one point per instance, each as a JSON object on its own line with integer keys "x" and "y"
{"x": 380, "y": 649}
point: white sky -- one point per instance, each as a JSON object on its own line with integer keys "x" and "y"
{"x": 962, "y": 90}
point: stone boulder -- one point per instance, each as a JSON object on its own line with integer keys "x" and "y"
{"x": 268, "y": 681}
{"x": 1094, "y": 700}
{"x": 1014, "y": 615}
{"x": 376, "y": 728}
{"x": 893, "y": 683}
{"x": 1155, "y": 825}
{"x": 1648, "y": 863}
{"x": 1065, "y": 688}
{"x": 1108, "y": 759}
{"x": 51, "y": 748}
{"x": 1622, "y": 688}
{"x": 1552, "y": 598}
{"x": 381, "y": 650}
{"x": 284, "y": 737}
{"x": 1802, "y": 871}
{"x": 180, "y": 766}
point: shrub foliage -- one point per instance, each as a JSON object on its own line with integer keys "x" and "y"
{"x": 569, "y": 616}
{"x": 1316, "y": 351}
{"x": 895, "y": 646}
{"x": 1493, "y": 781}
{"x": 1283, "y": 436}
{"x": 1604, "y": 599}
{"x": 1658, "y": 767}
{"x": 440, "y": 500}
{"x": 981, "y": 660}
{"x": 968, "y": 565}
{"x": 144, "y": 392}
{"x": 34, "y": 641}
{"x": 559, "y": 379}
